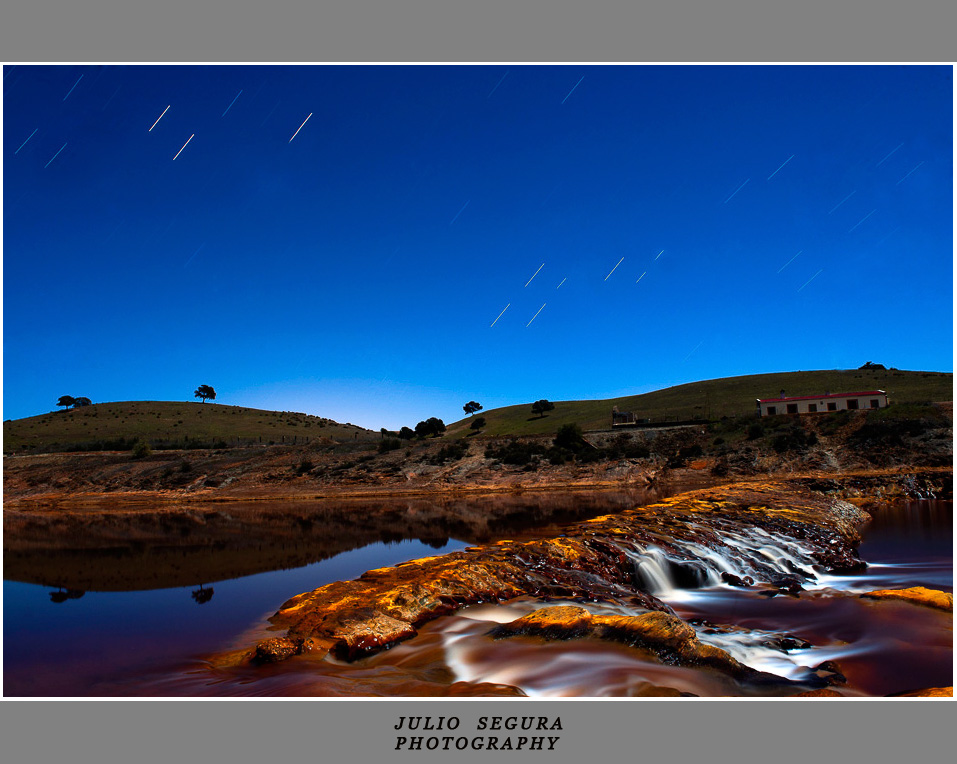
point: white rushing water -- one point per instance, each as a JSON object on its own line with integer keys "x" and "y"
{"x": 748, "y": 554}
{"x": 761, "y": 632}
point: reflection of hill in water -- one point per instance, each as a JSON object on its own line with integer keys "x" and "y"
{"x": 125, "y": 549}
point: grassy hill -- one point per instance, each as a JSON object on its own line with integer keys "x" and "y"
{"x": 168, "y": 424}
{"x": 714, "y": 398}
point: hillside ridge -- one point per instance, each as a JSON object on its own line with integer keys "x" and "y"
{"x": 710, "y": 400}
{"x": 172, "y": 425}
{"x": 188, "y": 424}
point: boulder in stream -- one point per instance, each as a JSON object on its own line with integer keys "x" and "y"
{"x": 917, "y": 595}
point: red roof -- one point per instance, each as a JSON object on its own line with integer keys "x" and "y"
{"x": 823, "y": 397}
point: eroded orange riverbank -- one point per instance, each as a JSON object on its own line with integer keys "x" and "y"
{"x": 622, "y": 567}
{"x": 594, "y": 562}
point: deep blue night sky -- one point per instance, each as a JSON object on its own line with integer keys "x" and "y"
{"x": 779, "y": 218}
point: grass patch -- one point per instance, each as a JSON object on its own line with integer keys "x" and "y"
{"x": 170, "y": 424}
{"x": 731, "y": 397}
{"x": 888, "y": 428}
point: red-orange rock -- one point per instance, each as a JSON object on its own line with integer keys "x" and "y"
{"x": 664, "y": 635}
{"x": 918, "y": 595}
{"x": 275, "y": 650}
{"x": 825, "y": 692}
{"x": 385, "y": 606}
{"x": 930, "y": 692}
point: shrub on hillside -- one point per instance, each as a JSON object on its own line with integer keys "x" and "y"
{"x": 141, "y": 449}
{"x": 515, "y": 452}
{"x": 889, "y": 432}
{"x": 569, "y": 436}
{"x": 389, "y": 444}
{"x": 451, "y": 452}
{"x": 624, "y": 447}
{"x": 590, "y": 455}
{"x": 795, "y": 439}
{"x": 685, "y": 453}
{"x": 303, "y": 467}
{"x": 831, "y": 423}
{"x": 557, "y": 456}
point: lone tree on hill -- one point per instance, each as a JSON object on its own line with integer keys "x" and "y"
{"x": 66, "y": 400}
{"x": 540, "y": 407}
{"x": 471, "y": 407}
{"x": 204, "y": 392}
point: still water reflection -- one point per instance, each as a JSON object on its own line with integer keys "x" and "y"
{"x": 94, "y": 600}
{"x": 83, "y": 647}
{"x": 62, "y": 640}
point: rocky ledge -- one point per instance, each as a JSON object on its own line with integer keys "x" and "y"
{"x": 918, "y": 595}
{"x": 666, "y": 637}
{"x": 931, "y": 692}
{"x": 593, "y": 560}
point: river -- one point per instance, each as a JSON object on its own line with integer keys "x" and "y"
{"x": 81, "y": 617}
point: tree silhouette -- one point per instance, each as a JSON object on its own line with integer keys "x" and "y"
{"x": 201, "y": 595}
{"x": 62, "y": 596}
{"x": 478, "y": 424}
{"x": 540, "y": 407}
{"x": 471, "y": 407}
{"x": 66, "y": 400}
{"x": 77, "y": 402}
{"x": 431, "y": 427}
{"x": 204, "y": 392}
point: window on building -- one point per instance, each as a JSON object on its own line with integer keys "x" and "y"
{"x": 875, "y": 404}
{"x": 772, "y": 410}
{"x": 792, "y": 408}
{"x": 852, "y": 404}
{"x": 832, "y": 406}
{"x": 812, "y": 408}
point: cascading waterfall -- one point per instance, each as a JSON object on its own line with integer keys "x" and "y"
{"x": 713, "y": 578}
{"x": 675, "y": 572}
{"x": 652, "y": 571}
{"x": 720, "y": 573}
{"x": 752, "y": 554}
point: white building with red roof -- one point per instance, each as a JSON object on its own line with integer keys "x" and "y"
{"x": 816, "y": 404}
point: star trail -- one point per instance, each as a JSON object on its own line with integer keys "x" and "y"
{"x": 641, "y": 205}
